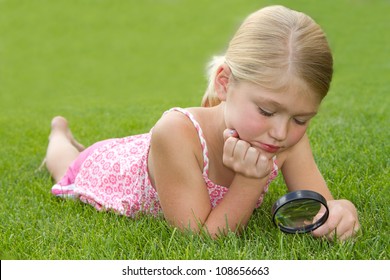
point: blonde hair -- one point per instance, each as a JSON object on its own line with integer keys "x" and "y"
{"x": 273, "y": 46}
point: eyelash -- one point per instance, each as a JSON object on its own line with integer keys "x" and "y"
{"x": 268, "y": 114}
{"x": 265, "y": 113}
{"x": 300, "y": 122}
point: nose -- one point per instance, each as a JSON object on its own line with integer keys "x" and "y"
{"x": 279, "y": 129}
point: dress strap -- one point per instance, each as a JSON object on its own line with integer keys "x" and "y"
{"x": 201, "y": 137}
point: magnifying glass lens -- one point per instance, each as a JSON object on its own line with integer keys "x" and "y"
{"x": 300, "y": 211}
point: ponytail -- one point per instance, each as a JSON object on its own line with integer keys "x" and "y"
{"x": 210, "y": 97}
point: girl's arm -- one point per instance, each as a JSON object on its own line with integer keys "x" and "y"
{"x": 177, "y": 163}
{"x": 301, "y": 172}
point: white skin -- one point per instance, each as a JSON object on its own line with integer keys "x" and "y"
{"x": 62, "y": 150}
{"x": 243, "y": 133}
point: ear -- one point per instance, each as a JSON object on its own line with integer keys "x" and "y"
{"x": 221, "y": 82}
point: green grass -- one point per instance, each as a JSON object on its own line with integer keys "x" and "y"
{"x": 113, "y": 67}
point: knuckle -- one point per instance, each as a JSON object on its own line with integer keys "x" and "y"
{"x": 332, "y": 224}
{"x": 351, "y": 221}
{"x": 229, "y": 142}
{"x": 264, "y": 166}
{"x": 227, "y": 160}
{"x": 237, "y": 167}
{"x": 253, "y": 151}
{"x": 243, "y": 144}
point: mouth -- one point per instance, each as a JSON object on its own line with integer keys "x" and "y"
{"x": 268, "y": 148}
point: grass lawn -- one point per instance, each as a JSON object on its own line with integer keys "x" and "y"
{"x": 113, "y": 67}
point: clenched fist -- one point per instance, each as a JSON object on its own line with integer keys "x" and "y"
{"x": 242, "y": 158}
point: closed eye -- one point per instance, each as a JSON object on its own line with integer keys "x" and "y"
{"x": 265, "y": 113}
{"x": 299, "y": 122}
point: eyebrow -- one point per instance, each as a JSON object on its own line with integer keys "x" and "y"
{"x": 277, "y": 104}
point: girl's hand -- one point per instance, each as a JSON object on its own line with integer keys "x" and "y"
{"x": 342, "y": 221}
{"x": 239, "y": 156}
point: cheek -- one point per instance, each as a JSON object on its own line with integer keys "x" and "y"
{"x": 249, "y": 125}
{"x": 295, "y": 135}
{"x": 233, "y": 117}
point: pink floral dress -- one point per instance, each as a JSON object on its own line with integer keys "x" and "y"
{"x": 113, "y": 175}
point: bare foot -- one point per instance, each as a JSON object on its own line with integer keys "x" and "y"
{"x": 60, "y": 125}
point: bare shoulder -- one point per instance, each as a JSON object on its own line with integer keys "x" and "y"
{"x": 175, "y": 131}
{"x": 175, "y": 148}
{"x": 173, "y": 122}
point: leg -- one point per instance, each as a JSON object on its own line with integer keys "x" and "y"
{"x": 62, "y": 150}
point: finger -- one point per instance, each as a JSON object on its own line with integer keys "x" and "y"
{"x": 252, "y": 156}
{"x": 338, "y": 231}
{"x": 240, "y": 150}
{"x": 229, "y": 146}
{"x": 264, "y": 165}
{"x": 345, "y": 235}
{"x": 328, "y": 229}
{"x": 229, "y": 133}
{"x": 323, "y": 230}
{"x": 331, "y": 235}
{"x": 350, "y": 233}
{"x": 347, "y": 227}
{"x": 320, "y": 214}
{"x": 332, "y": 227}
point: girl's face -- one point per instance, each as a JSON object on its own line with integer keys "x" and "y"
{"x": 269, "y": 121}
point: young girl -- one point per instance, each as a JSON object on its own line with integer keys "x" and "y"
{"x": 208, "y": 168}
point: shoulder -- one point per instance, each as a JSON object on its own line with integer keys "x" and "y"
{"x": 175, "y": 128}
{"x": 173, "y": 122}
{"x": 174, "y": 133}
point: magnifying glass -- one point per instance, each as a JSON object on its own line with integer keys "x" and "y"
{"x": 295, "y": 211}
